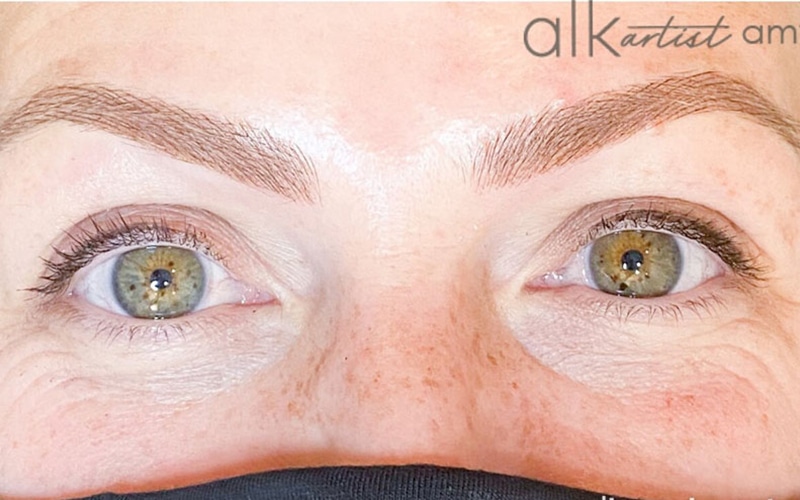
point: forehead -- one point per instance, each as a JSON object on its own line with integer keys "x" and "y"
{"x": 382, "y": 75}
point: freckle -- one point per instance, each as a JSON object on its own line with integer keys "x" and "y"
{"x": 514, "y": 385}
{"x": 293, "y": 409}
{"x": 430, "y": 382}
{"x": 491, "y": 359}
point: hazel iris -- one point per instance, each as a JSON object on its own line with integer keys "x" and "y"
{"x": 636, "y": 263}
{"x": 158, "y": 281}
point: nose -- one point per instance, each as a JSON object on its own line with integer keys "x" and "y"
{"x": 402, "y": 378}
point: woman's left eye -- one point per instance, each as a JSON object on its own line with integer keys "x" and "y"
{"x": 640, "y": 264}
{"x": 157, "y": 282}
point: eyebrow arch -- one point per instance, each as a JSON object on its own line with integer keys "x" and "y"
{"x": 558, "y": 136}
{"x": 236, "y": 149}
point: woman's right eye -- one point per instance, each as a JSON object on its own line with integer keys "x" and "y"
{"x": 158, "y": 282}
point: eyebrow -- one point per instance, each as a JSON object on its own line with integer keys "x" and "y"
{"x": 559, "y": 136}
{"x": 236, "y": 149}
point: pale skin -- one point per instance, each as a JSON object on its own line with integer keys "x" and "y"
{"x": 391, "y": 322}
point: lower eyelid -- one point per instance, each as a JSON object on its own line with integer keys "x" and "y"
{"x": 707, "y": 301}
{"x": 92, "y": 325}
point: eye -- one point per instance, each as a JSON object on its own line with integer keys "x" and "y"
{"x": 157, "y": 282}
{"x": 635, "y": 263}
{"x": 640, "y": 264}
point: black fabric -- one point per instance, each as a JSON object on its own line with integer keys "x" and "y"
{"x": 409, "y": 482}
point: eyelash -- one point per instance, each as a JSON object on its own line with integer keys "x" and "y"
{"x": 109, "y": 235}
{"x": 706, "y": 233}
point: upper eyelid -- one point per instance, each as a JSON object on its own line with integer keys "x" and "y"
{"x": 82, "y": 244}
{"x": 590, "y": 221}
{"x": 266, "y": 266}
{"x": 58, "y": 274}
{"x": 685, "y": 224}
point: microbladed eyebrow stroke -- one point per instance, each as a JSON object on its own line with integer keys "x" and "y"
{"x": 527, "y": 147}
{"x": 250, "y": 156}
{"x": 558, "y": 136}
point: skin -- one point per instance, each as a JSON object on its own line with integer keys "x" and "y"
{"x": 401, "y": 330}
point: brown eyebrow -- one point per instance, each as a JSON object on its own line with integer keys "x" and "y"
{"x": 558, "y": 136}
{"x": 238, "y": 150}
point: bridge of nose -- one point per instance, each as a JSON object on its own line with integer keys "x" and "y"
{"x": 406, "y": 365}
{"x": 406, "y": 358}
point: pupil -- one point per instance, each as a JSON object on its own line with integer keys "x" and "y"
{"x": 160, "y": 279}
{"x": 632, "y": 260}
